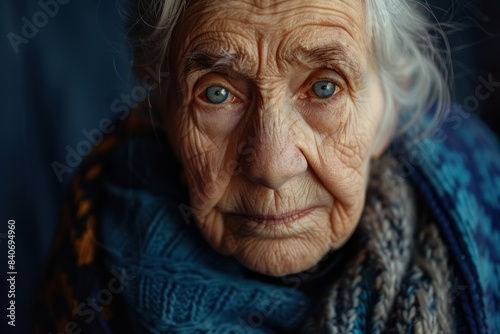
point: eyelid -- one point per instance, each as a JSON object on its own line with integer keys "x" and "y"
{"x": 328, "y": 74}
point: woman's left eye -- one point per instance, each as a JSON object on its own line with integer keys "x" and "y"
{"x": 216, "y": 94}
{"x": 324, "y": 89}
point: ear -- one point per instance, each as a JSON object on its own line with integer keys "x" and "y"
{"x": 387, "y": 119}
{"x": 384, "y": 141}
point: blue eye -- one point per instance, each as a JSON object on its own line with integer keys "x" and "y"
{"x": 216, "y": 94}
{"x": 324, "y": 89}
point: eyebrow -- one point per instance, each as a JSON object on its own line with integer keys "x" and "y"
{"x": 224, "y": 61}
{"x": 230, "y": 61}
{"x": 328, "y": 54}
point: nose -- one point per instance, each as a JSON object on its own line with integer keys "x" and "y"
{"x": 272, "y": 156}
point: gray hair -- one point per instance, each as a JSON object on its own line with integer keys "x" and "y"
{"x": 413, "y": 69}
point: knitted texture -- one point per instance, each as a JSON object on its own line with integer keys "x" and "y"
{"x": 180, "y": 284}
{"x": 128, "y": 189}
{"x": 397, "y": 279}
{"x": 457, "y": 167}
{"x": 398, "y": 282}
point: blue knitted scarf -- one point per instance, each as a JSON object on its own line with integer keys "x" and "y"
{"x": 423, "y": 259}
{"x": 395, "y": 275}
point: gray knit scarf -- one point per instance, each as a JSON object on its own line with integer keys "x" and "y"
{"x": 397, "y": 279}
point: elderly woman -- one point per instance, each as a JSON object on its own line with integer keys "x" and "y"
{"x": 301, "y": 171}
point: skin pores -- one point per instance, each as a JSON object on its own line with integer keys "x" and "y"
{"x": 272, "y": 112}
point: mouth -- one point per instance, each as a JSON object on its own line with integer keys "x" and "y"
{"x": 283, "y": 225}
{"x": 285, "y": 218}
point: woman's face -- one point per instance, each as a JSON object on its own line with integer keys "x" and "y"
{"x": 274, "y": 107}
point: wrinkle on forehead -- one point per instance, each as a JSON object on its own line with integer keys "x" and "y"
{"x": 271, "y": 7}
{"x": 266, "y": 18}
{"x": 244, "y": 33}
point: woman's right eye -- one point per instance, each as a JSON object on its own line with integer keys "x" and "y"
{"x": 216, "y": 94}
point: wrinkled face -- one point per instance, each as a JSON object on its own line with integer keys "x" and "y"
{"x": 273, "y": 112}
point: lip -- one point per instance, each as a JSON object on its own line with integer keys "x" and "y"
{"x": 284, "y": 218}
{"x": 270, "y": 226}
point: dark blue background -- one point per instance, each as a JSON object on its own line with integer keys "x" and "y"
{"x": 61, "y": 82}
{"x": 64, "y": 80}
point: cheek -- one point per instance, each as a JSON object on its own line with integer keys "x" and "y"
{"x": 204, "y": 172}
{"x": 206, "y": 168}
{"x": 343, "y": 153}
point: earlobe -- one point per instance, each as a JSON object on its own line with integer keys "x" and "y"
{"x": 381, "y": 144}
{"x": 386, "y": 112}
{"x": 377, "y": 152}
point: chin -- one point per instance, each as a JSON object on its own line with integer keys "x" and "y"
{"x": 280, "y": 257}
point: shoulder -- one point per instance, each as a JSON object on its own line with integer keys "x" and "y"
{"x": 460, "y": 159}
{"x": 74, "y": 277}
{"x": 456, "y": 167}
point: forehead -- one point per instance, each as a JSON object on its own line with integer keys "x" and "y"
{"x": 240, "y": 24}
{"x": 270, "y": 12}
